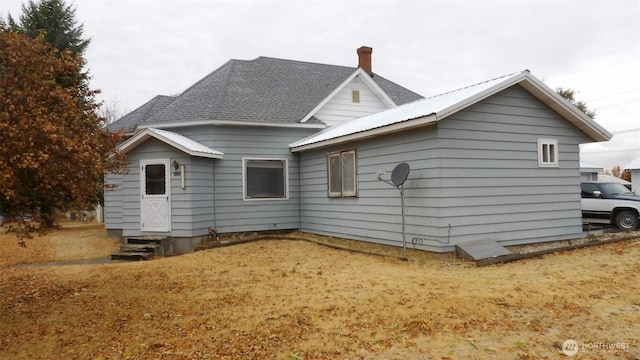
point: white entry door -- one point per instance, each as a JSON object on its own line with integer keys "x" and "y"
{"x": 155, "y": 187}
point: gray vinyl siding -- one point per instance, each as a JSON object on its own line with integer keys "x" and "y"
{"x": 491, "y": 185}
{"x": 375, "y": 215}
{"x": 474, "y": 176}
{"x": 232, "y": 212}
{"x": 192, "y": 209}
{"x": 113, "y": 202}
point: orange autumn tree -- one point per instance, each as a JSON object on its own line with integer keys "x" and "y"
{"x": 54, "y": 149}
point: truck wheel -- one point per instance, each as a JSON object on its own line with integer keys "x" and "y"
{"x": 627, "y": 220}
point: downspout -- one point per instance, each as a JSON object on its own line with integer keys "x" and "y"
{"x": 297, "y": 155}
{"x": 213, "y": 170}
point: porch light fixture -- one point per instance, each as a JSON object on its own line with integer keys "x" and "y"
{"x": 176, "y": 165}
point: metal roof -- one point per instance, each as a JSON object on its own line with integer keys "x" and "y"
{"x": 430, "y": 110}
{"x": 178, "y": 141}
{"x": 633, "y": 165}
{"x": 585, "y": 167}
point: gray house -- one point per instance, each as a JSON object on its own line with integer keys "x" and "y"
{"x": 272, "y": 144}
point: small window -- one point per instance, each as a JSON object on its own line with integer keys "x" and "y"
{"x": 265, "y": 179}
{"x": 355, "y": 96}
{"x": 547, "y": 153}
{"x": 341, "y": 174}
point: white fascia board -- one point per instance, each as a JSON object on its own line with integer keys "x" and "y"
{"x": 366, "y": 80}
{"x": 169, "y": 125}
{"x": 133, "y": 142}
{"x": 144, "y": 135}
{"x": 399, "y": 126}
{"x": 207, "y": 153}
{"x": 329, "y": 97}
{"x": 375, "y": 88}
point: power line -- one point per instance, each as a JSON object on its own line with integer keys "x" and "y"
{"x": 622, "y": 103}
{"x": 612, "y": 95}
{"x": 624, "y": 131}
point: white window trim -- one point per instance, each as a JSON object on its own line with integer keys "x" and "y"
{"x": 333, "y": 194}
{"x": 342, "y": 193}
{"x": 541, "y": 152}
{"x": 244, "y": 178}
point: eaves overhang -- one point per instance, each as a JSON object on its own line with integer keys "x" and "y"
{"x": 181, "y": 124}
{"x": 175, "y": 140}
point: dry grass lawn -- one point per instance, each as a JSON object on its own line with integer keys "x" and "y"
{"x": 286, "y": 299}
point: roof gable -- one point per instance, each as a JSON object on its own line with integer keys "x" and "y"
{"x": 175, "y": 140}
{"x": 367, "y": 80}
{"x": 433, "y": 109}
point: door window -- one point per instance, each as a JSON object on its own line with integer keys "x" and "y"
{"x": 155, "y": 181}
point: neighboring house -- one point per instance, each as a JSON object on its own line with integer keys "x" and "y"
{"x": 274, "y": 144}
{"x": 634, "y": 167}
{"x": 589, "y": 172}
{"x": 610, "y": 178}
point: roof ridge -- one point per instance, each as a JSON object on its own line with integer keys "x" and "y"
{"x": 454, "y": 90}
{"x": 228, "y": 66}
{"x": 303, "y": 62}
{"x": 204, "y": 78}
{"x": 476, "y": 84}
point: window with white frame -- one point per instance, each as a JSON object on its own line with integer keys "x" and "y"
{"x": 547, "y": 152}
{"x": 265, "y": 179}
{"x": 341, "y": 174}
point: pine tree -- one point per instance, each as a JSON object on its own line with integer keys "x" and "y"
{"x": 58, "y": 22}
{"x": 569, "y": 95}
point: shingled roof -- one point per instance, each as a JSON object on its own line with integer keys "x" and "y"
{"x": 129, "y": 121}
{"x": 260, "y": 90}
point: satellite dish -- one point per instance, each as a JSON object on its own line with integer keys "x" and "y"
{"x": 400, "y": 174}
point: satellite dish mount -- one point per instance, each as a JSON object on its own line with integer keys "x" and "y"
{"x": 398, "y": 177}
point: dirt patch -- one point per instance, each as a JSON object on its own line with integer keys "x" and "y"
{"x": 291, "y": 299}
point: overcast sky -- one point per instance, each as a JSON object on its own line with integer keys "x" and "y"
{"x": 140, "y": 49}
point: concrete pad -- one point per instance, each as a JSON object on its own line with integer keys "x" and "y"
{"x": 480, "y": 249}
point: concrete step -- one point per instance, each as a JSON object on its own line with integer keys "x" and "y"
{"x": 145, "y": 248}
{"x": 140, "y": 248}
{"x": 144, "y": 240}
{"x": 131, "y": 256}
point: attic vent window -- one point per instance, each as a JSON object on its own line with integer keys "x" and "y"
{"x": 355, "y": 96}
{"x": 547, "y": 153}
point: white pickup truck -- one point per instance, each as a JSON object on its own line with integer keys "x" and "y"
{"x": 610, "y": 203}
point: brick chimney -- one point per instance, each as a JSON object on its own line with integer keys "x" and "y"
{"x": 364, "y": 58}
